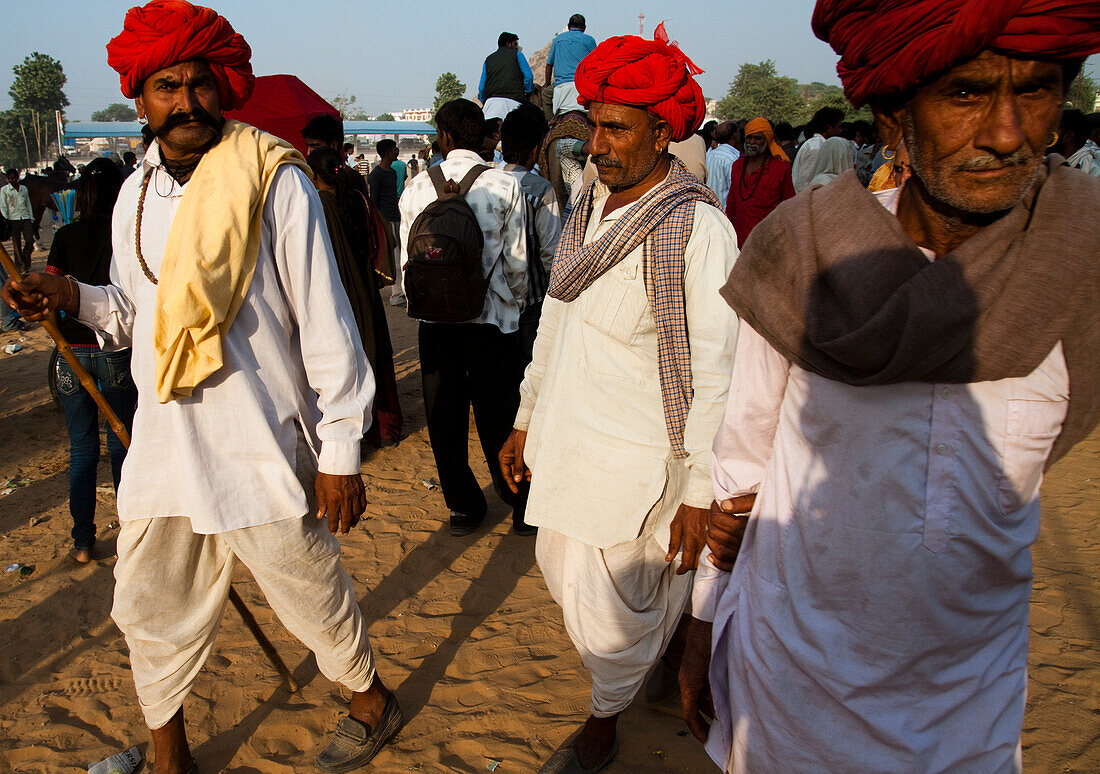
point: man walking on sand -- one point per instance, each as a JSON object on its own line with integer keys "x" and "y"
{"x": 911, "y": 361}
{"x": 630, "y": 371}
{"x": 252, "y": 383}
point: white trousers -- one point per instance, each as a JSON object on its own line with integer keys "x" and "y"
{"x": 171, "y": 586}
{"x": 565, "y": 97}
{"x": 498, "y": 107}
{"x": 621, "y": 606}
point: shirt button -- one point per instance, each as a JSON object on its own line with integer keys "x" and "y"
{"x": 943, "y": 449}
{"x": 946, "y": 392}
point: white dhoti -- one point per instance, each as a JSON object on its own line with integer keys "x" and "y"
{"x": 621, "y": 606}
{"x": 565, "y": 97}
{"x": 171, "y": 586}
{"x": 498, "y": 107}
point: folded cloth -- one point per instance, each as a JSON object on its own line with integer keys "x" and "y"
{"x": 849, "y": 296}
{"x": 211, "y": 254}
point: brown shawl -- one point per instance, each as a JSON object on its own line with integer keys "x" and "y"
{"x": 834, "y": 283}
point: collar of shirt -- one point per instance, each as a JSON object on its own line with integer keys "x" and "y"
{"x": 516, "y": 168}
{"x": 469, "y": 155}
{"x": 152, "y": 164}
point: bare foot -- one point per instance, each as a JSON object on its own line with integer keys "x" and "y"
{"x": 172, "y": 755}
{"x": 595, "y": 741}
{"x": 81, "y": 555}
{"x": 367, "y": 706}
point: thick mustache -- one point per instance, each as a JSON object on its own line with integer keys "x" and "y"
{"x": 985, "y": 163}
{"x": 605, "y": 161}
{"x": 179, "y": 119}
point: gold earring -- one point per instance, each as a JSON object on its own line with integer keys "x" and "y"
{"x": 1054, "y": 141}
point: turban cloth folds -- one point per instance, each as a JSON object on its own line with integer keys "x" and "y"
{"x": 650, "y": 74}
{"x": 888, "y": 47}
{"x": 164, "y": 33}
{"x": 764, "y": 127}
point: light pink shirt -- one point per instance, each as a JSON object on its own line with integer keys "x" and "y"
{"x": 876, "y": 619}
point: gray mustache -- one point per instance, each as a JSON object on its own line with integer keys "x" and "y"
{"x": 602, "y": 161}
{"x": 984, "y": 163}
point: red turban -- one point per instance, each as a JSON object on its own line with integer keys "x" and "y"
{"x": 163, "y": 33}
{"x": 887, "y": 47}
{"x": 650, "y": 74}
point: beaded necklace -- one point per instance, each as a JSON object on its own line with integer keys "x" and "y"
{"x": 137, "y": 231}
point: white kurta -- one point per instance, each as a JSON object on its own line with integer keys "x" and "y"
{"x": 597, "y": 444}
{"x": 876, "y": 618}
{"x": 295, "y": 385}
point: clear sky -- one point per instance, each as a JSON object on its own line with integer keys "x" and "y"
{"x": 389, "y": 55}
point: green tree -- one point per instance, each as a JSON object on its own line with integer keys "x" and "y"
{"x": 833, "y": 96}
{"x": 385, "y": 117}
{"x": 447, "y": 87}
{"x": 35, "y": 93}
{"x": 349, "y": 110}
{"x": 116, "y": 111}
{"x": 1082, "y": 93}
{"x": 758, "y": 90}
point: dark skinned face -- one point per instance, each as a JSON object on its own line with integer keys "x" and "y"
{"x": 626, "y": 144}
{"x": 977, "y": 135}
{"x": 183, "y": 109}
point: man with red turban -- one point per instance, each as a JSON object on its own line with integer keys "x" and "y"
{"x": 253, "y": 386}
{"x": 631, "y": 363}
{"x": 760, "y": 180}
{"x": 910, "y": 364}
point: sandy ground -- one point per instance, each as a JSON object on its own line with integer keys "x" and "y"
{"x": 463, "y": 629}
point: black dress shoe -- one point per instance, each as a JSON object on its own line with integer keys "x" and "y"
{"x": 463, "y": 524}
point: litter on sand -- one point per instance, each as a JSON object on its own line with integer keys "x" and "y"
{"x": 493, "y": 764}
{"x": 11, "y": 349}
{"x": 120, "y": 763}
{"x": 429, "y": 483}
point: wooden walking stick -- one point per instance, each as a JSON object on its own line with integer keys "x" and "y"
{"x": 90, "y": 385}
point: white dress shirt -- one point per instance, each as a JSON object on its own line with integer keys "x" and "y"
{"x": 597, "y": 444}
{"x": 295, "y": 386}
{"x": 802, "y": 170}
{"x": 16, "y": 204}
{"x": 876, "y": 618}
{"x": 719, "y": 170}
{"x": 498, "y": 203}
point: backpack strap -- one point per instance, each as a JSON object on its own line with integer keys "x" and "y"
{"x": 439, "y": 181}
{"x": 471, "y": 176}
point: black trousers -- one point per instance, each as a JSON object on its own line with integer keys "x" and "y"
{"x": 22, "y": 242}
{"x": 464, "y": 365}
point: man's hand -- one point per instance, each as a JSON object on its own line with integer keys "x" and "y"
{"x": 695, "y": 679}
{"x": 689, "y": 529}
{"x": 726, "y": 529}
{"x": 342, "y": 498}
{"x": 37, "y": 296}
{"x": 511, "y": 460}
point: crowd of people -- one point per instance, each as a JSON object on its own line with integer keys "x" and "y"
{"x": 774, "y": 402}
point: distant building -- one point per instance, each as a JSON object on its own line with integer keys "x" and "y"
{"x": 414, "y": 114}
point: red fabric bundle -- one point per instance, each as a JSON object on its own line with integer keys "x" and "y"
{"x": 890, "y": 46}
{"x": 163, "y": 33}
{"x": 650, "y": 74}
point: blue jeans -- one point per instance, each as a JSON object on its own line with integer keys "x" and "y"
{"x": 112, "y": 371}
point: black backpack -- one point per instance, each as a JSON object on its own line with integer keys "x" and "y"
{"x": 444, "y": 275}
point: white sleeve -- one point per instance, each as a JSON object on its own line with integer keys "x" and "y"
{"x": 548, "y": 226}
{"x": 742, "y": 446}
{"x": 532, "y": 377}
{"x": 712, "y": 325}
{"x": 336, "y": 367}
{"x": 514, "y": 243}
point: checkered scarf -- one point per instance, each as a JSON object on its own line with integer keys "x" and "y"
{"x": 662, "y": 220}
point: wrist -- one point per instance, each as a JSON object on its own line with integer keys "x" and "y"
{"x": 71, "y": 304}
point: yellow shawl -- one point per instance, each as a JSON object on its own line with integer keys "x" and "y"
{"x": 211, "y": 254}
